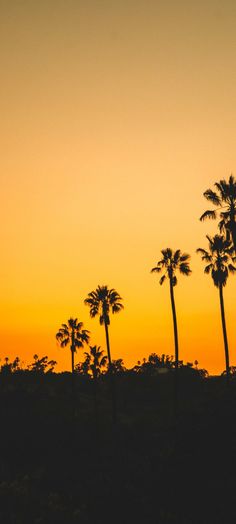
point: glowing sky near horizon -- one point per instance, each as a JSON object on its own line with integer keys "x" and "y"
{"x": 115, "y": 117}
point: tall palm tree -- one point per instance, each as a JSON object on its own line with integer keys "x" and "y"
{"x": 170, "y": 264}
{"x": 224, "y": 198}
{"x": 220, "y": 261}
{"x": 73, "y": 334}
{"x": 102, "y": 301}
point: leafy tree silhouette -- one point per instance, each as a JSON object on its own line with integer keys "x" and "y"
{"x": 118, "y": 365}
{"x": 172, "y": 262}
{"x": 102, "y": 301}
{"x": 42, "y": 365}
{"x": 95, "y": 361}
{"x": 73, "y": 334}
{"x": 224, "y": 198}
{"x": 220, "y": 262}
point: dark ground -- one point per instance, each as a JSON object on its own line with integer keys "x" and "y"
{"x": 59, "y": 465}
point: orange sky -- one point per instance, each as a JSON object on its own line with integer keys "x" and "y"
{"x": 115, "y": 117}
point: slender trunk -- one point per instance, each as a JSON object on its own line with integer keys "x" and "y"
{"x": 222, "y": 309}
{"x": 176, "y": 386}
{"x": 72, "y": 360}
{"x": 108, "y": 345}
{"x": 112, "y": 378}
{"x": 95, "y": 401}
{"x": 175, "y": 325}
{"x": 73, "y": 379}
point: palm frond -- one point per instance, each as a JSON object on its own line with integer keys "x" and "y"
{"x": 208, "y": 269}
{"x": 208, "y": 214}
{"x": 162, "y": 279}
{"x": 212, "y": 197}
{"x": 231, "y": 268}
{"x": 185, "y": 269}
{"x": 184, "y": 257}
{"x": 156, "y": 269}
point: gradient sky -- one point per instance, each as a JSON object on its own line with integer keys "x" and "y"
{"x": 115, "y": 117}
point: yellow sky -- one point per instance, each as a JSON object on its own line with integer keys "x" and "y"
{"x": 115, "y": 117}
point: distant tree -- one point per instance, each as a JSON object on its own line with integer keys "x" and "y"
{"x": 224, "y": 199}
{"x": 42, "y": 365}
{"x": 11, "y": 367}
{"x": 74, "y": 335}
{"x": 154, "y": 363}
{"x": 96, "y": 361}
{"x": 171, "y": 263}
{"x": 102, "y": 302}
{"x": 220, "y": 261}
{"x": 118, "y": 365}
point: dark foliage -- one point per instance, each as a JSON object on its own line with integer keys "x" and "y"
{"x": 56, "y": 467}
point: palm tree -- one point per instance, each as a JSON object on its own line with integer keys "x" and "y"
{"x": 171, "y": 262}
{"x": 102, "y": 301}
{"x": 95, "y": 361}
{"x": 224, "y": 198}
{"x": 73, "y": 334}
{"x": 220, "y": 261}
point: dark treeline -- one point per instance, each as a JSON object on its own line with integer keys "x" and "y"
{"x": 66, "y": 465}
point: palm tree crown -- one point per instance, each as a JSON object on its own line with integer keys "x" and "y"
{"x": 73, "y": 334}
{"x": 224, "y": 198}
{"x": 219, "y": 259}
{"x": 95, "y": 360}
{"x": 171, "y": 262}
{"x": 102, "y": 301}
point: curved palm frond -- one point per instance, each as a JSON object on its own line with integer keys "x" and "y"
{"x": 208, "y": 214}
{"x": 212, "y": 197}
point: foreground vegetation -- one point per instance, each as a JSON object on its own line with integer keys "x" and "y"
{"x": 64, "y": 461}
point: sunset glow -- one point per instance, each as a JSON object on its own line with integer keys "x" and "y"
{"x": 115, "y": 118}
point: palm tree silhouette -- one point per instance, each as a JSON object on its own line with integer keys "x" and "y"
{"x": 96, "y": 361}
{"x": 219, "y": 260}
{"x": 73, "y": 334}
{"x": 102, "y": 301}
{"x": 224, "y": 198}
{"x": 171, "y": 262}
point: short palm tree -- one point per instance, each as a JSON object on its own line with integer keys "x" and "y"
{"x": 102, "y": 301}
{"x": 171, "y": 263}
{"x": 96, "y": 361}
{"x": 74, "y": 335}
{"x": 224, "y": 198}
{"x": 220, "y": 261}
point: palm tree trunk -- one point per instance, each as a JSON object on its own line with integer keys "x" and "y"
{"x": 175, "y": 325}
{"x": 112, "y": 378}
{"x": 176, "y": 385}
{"x": 73, "y": 399}
{"x": 108, "y": 345}
{"x": 72, "y": 361}
{"x": 222, "y": 309}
